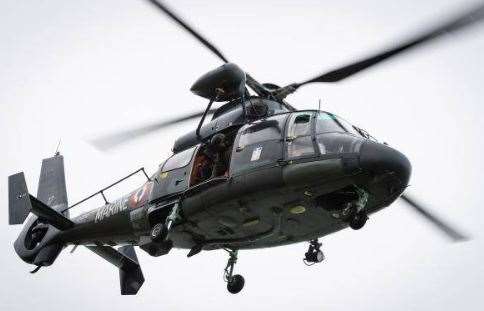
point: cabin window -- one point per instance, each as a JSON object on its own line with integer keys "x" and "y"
{"x": 258, "y": 144}
{"x": 179, "y": 160}
{"x": 299, "y": 135}
{"x": 258, "y": 132}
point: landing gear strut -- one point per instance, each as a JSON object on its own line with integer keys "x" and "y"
{"x": 159, "y": 232}
{"x": 359, "y": 216}
{"x": 314, "y": 254}
{"x": 158, "y": 243}
{"x": 235, "y": 283}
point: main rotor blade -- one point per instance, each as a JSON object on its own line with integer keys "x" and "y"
{"x": 110, "y": 141}
{"x": 191, "y": 30}
{"x": 451, "y": 233}
{"x": 251, "y": 82}
{"x": 460, "y": 22}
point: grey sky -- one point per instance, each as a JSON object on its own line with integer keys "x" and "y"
{"x": 72, "y": 69}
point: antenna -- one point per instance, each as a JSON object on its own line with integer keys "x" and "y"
{"x": 319, "y": 105}
{"x": 57, "y": 153}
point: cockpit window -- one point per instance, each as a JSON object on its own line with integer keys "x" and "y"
{"x": 179, "y": 160}
{"x": 329, "y": 123}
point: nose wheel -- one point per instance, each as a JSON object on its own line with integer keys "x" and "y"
{"x": 235, "y": 283}
{"x": 314, "y": 254}
{"x": 358, "y": 220}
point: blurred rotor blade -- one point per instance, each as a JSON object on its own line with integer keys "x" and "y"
{"x": 251, "y": 82}
{"x": 451, "y": 233}
{"x": 191, "y": 30}
{"x": 110, "y": 141}
{"x": 460, "y": 22}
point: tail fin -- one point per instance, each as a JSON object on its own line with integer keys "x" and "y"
{"x": 52, "y": 184}
{"x": 51, "y": 196}
{"x": 36, "y": 243}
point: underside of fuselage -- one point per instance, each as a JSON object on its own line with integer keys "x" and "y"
{"x": 283, "y": 204}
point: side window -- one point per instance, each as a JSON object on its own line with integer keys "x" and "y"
{"x": 258, "y": 144}
{"x": 299, "y": 138}
{"x": 178, "y": 160}
{"x": 262, "y": 131}
{"x": 173, "y": 176}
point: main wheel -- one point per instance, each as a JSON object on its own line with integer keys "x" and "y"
{"x": 159, "y": 232}
{"x": 358, "y": 221}
{"x": 235, "y": 284}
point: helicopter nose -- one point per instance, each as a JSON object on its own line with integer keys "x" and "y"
{"x": 380, "y": 159}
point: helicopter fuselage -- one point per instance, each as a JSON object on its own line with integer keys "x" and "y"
{"x": 292, "y": 177}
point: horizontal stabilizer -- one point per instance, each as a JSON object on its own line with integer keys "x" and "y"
{"x": 49, "y": 214}
{"x": 21, "y": 203}
{"x": 130, "y": 275}
{"x": 18, "y": 199}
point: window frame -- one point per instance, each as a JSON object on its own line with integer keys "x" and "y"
{"x": 194, "y": 150}
{"x": 236, "y": 170}
{"x": 287, "y": 139}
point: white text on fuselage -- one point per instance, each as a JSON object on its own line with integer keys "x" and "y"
{"x": 111, "y": 209}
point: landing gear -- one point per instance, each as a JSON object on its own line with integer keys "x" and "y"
{"x": 157, "y": 243}
{"x": 347, "y": 204}
{"x": 358, "y": 220}
{"x": 358, "y": 215}
{"x": 314, "y": 254}
{"x": 235, "y": 283}
{"x": 159, "y": 232}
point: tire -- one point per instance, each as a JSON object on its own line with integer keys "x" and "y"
{"x": 358, "y": 221}
{"x": 235, "y": 284}
{"x": 159, "y": 233}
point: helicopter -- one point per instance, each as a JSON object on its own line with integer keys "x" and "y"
{"x": 259, "y": 174}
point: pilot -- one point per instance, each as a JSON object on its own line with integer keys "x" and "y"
{"x": 217, "y": 151}
{"x": 204, "y": 169}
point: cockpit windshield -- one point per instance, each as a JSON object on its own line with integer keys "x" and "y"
{"x": 329, "y": 123}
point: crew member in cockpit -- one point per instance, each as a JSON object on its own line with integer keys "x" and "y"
{"x": 217, "y": 151}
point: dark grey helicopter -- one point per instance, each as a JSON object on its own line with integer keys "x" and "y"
{"x": 259, "y": 174}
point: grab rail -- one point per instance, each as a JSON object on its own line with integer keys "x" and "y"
{"x": 101, "y": 192}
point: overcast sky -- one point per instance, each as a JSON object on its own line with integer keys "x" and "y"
{"x": 72, "y": 70}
